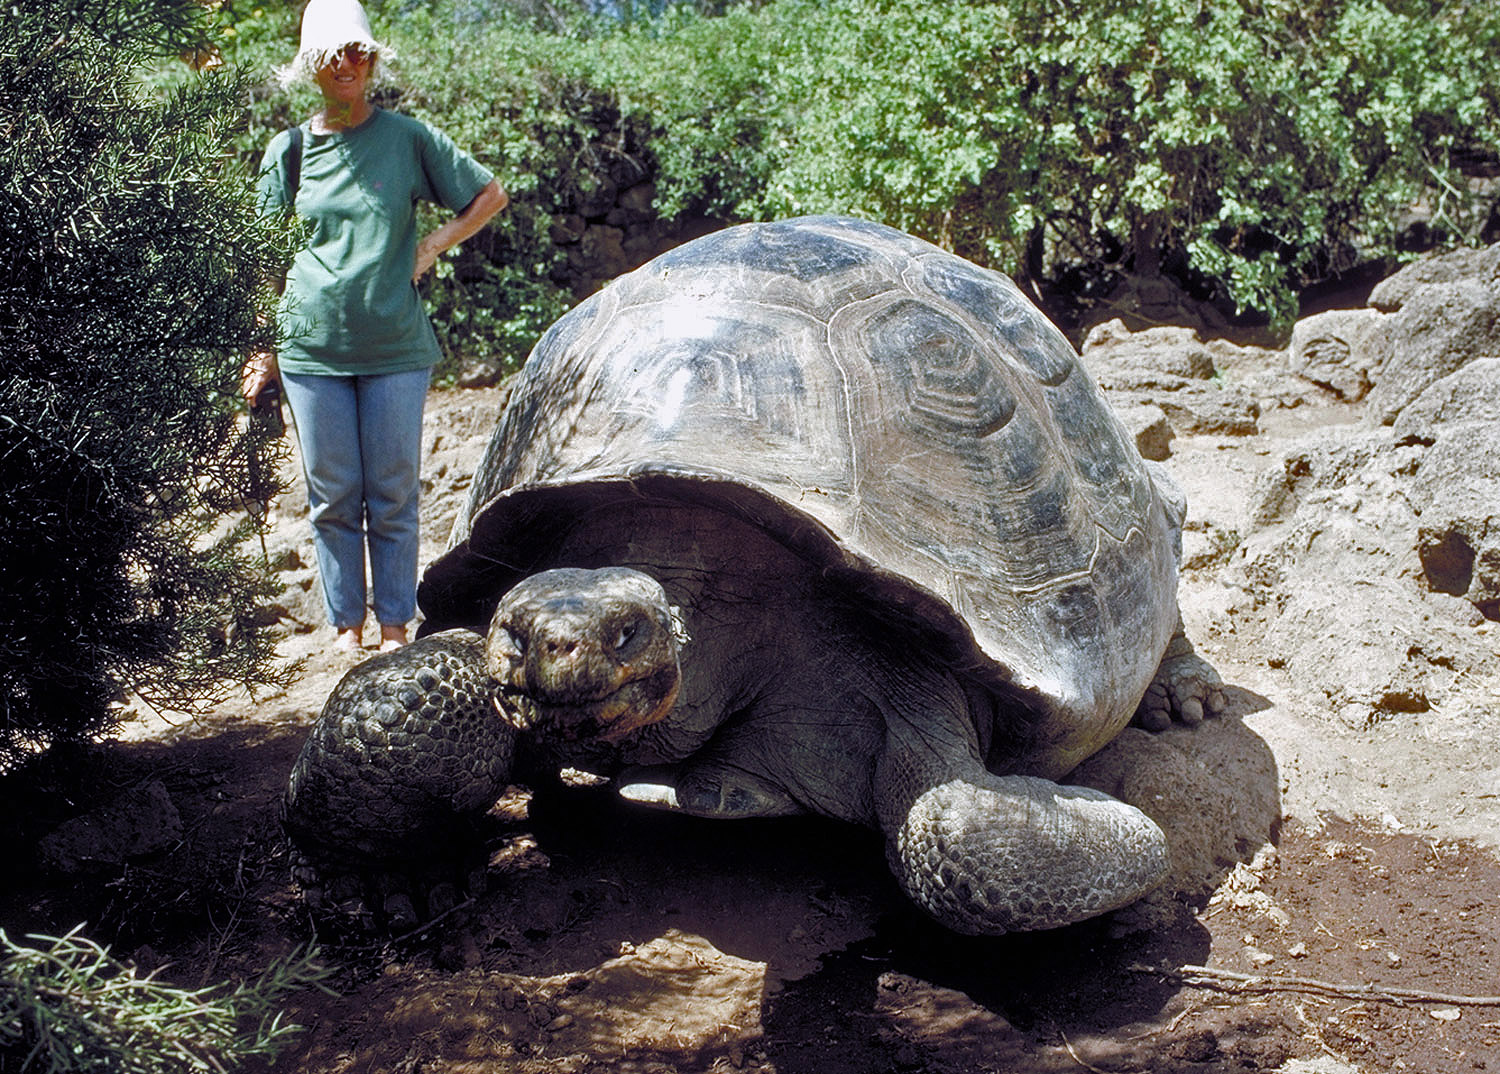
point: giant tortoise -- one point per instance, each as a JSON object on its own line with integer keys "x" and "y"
{"x": 800, "y": 517}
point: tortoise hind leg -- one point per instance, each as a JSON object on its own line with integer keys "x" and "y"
{"x": 1185, "y": 688}
{"x": 987, "y": 854}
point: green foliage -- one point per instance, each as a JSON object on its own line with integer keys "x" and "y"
{"x": 134, "y": 269}
{"x": 1247, "y": 147}
{"x": 68, "y": 1005}
{"x": 1257, "y": 145}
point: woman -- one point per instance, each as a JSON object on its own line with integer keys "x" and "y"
{"x": 358, "y": 349}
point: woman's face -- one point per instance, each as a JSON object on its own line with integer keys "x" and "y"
{"x": 347, "y": 79}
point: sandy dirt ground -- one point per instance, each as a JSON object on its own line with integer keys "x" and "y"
{"x": 1333, "y": 908}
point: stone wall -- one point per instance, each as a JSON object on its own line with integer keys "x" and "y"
{"x": 612, "y": 227}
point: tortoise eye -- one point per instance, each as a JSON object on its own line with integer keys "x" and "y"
{"x": 507, "y": 642}
{"x": 627, "y": 634}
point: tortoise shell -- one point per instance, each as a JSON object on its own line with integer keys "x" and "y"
{"x": 905, "y": 420}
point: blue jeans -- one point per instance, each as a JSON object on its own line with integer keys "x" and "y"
{"x": 361, "y": 442}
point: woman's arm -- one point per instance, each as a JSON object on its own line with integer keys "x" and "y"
{"x": 476, "y": 214}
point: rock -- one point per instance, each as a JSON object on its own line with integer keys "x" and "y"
{"x": 595, "y": 195}
{"x": 1457, "y": 491}
{"x": 625, "y": 168}
{"x": 601, "y": 246}
{"x": 1333, "y": 350}
{"x": 637, "y": 201}
{"x": 567, "y": 228}
{"x": 480, "y": 375}
{"x": 1200, "y": 551}
{"x": 139, "y": 822}
{"x": 1171, "y": 369}
{"x": 1338, "y": 548}
{"x": 1320, "y": 1064}
{"x": 1471, "y": 394}
{"x": 1395, "y": 290}
{"x": 1173, "y": 788}
{"x": 1212, "y": 789}
{"x": 642, "y": 247}
{"x": 677, "y": 994}
{"x": 1438, "y": 329}
{"x": 1372, "y": 674}
{"x": 1148, "y": 426}
{"x": 1112, "y": 351}
{"x": 1270, "y": 494}
{"x": 1147, "y": 301}
{"x": 1201, "y": 408}
{"x": 1318, "y": 468}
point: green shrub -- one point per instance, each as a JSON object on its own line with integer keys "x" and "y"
{"x": 1248, "y": 148}
{"x": 69, "y": 1005}
{"x": 134, "y": 267}
{"x": 1257, "y": 146}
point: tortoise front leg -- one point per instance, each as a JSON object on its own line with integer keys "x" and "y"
{"x": 407, "y": 754}
{"x": 987, "y": 854}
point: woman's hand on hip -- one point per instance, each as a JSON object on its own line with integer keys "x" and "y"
{"x": 475, "y": 215}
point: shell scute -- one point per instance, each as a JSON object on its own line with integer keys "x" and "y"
{"x": 998, "y": 305}
{"x": 779, "y": 247}
{"x": 940, "y": 368}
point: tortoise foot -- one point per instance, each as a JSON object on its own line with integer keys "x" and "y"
{"x": 1186, "y": 689}
{"x": 998, "y": 854}
{"x": 374, "y": 900}
{"x": 386, "y": 803}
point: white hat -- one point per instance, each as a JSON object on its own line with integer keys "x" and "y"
{"x": 328, "y": 27}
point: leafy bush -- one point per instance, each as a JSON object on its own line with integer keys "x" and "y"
{"x": 1254, "y": 146}
{"x": 1248, "y": 148}
{"x": 69, "y": 1005}
{"x": 134, "y": 268}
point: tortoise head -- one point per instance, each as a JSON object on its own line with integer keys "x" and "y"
{"x": 584, "y": 654}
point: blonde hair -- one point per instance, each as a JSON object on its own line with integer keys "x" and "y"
{"x": 304, "y": 66}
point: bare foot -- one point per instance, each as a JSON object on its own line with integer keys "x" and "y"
{"x": 392, "y": 637}
{"x": 350, "y": 639}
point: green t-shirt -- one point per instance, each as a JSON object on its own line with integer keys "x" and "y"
{"x": 349, "y": 306}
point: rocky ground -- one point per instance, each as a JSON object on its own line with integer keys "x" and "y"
{"x": 1332, "y": 906}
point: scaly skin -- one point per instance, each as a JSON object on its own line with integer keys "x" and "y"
{"x": 406, "y": 740}
{"x": 1185, "y": 689}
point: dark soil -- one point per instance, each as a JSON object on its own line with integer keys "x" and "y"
{"x": 615, "y": 939}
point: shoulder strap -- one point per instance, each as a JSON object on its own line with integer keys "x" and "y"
{"x": 293, "y": 165}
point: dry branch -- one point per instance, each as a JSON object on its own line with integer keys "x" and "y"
{"x": 1230, "y": 981}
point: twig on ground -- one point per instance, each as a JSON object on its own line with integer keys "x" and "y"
{"x": 1079, "y": 1059}
{"x": 1230, "y": 981}
{"x": 427, "y": 925}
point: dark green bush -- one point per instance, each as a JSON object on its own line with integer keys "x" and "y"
{"x": 133, "y": 270}
{"x": 1257, "y": 145}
